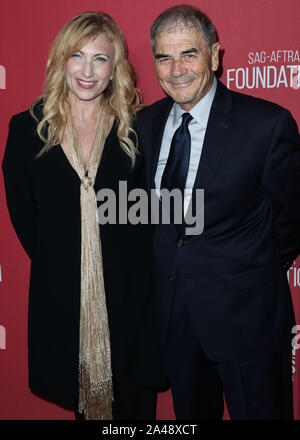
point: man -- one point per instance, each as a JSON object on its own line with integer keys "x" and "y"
{"x": 224, "y": 306}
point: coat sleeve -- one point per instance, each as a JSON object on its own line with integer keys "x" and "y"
{"x": 18, "y": 187}
{"x": 281, "y": 180}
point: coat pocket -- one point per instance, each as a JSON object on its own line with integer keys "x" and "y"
{"x": 253, "y": 278}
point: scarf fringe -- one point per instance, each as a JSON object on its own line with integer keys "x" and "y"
{"x": 94, "y": 399}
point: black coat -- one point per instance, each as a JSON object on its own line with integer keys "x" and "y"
{"x": 234, "y": 272}
{"x": 43, "y": 198}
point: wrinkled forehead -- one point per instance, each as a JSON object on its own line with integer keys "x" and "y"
{"x": 180, "y": 26}
{"x": 180, "y": 34}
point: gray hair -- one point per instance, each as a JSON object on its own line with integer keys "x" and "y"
{"x": 186, "y": 16}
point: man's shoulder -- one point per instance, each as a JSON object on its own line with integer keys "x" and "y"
{"x": 154, "y": 109}
{"x": 255, "y": 106}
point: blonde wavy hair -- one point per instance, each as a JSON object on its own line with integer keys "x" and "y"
{"x": 120, "y": 99}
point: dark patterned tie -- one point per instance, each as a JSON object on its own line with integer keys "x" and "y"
{"x": 177, "y": 166}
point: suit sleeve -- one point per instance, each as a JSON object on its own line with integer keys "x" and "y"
{"x": 18, "y": 188}
{"x": 281, "y": 180}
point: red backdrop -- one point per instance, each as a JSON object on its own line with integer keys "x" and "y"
{"x": 260, "y": 41}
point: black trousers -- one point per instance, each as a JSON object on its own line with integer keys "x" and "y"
{"x": 259, "y": 389}
{"x": 131, "y": 402}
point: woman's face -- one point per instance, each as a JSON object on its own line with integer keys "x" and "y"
{"x": 89, "y": 70}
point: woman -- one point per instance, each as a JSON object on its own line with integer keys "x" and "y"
{"x": 88, "y": 342}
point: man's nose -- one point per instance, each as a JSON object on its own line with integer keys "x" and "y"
{"x": 178, "y": 67}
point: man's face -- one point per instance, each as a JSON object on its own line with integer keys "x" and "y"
{"x": 184, "y": 65}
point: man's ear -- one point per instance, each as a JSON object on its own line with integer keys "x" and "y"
{"x": 215, "y": 56}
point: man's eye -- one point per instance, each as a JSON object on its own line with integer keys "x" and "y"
{"x": 166, "y": 60}
{"x": 190, "y": 56}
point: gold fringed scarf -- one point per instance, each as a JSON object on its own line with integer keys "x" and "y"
{"x": 95, "y": 376}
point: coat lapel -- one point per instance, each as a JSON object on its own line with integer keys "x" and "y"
{"x": 216, "y": 137}
{"x": 159, "y": 122}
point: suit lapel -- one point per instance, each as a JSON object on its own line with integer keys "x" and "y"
{"x": 159, "y": 122}
{"x": 216, "y": 137}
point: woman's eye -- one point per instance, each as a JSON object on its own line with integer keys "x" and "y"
{"x": 102, "y": 59}
{"x": 75, "y": 55}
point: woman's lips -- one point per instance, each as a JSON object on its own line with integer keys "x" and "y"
{"x": 85, "y": 84}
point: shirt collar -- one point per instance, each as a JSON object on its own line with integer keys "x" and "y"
{"x": 201, "y": 110}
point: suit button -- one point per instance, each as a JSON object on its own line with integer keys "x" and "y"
{"x": 171, "y": 278}
{"x": 180, "y": 243}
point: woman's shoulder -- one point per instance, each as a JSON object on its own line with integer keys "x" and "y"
{"x": 22, "y": 120}
{"x": 28, "y": 118}
{"x": 23, "y": 131}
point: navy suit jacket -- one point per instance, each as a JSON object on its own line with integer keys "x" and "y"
{"x": 234, "y": 272}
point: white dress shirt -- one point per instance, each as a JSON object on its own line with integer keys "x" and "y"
{"x": 197, "y": 127}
